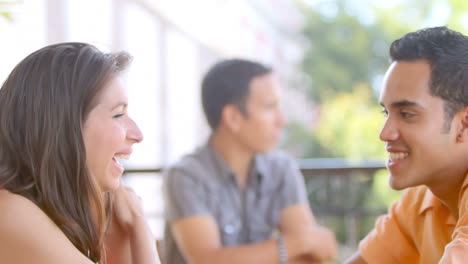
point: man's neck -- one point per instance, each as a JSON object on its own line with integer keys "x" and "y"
{"x": 448, "y": 192}
{"x": 236, "y": 156}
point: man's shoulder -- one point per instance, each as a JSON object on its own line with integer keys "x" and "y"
{"x": 276, "y": 158}
{"x": 197, "y": 158}
{"x": 196, "y": 165}
{"x": 278, "y": 166}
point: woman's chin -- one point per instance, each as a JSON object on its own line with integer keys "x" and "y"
{"x": 112, "y": 184}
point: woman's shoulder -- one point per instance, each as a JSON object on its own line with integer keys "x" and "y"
{"x": 24, "y": 225}
{"x": 16, "y": 208}
{"x": 22, "y": 220}
{"x": 13, "y": 206}
{"x": 7, "y": 198}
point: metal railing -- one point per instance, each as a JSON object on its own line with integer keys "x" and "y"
{"x": 338, "y": 191}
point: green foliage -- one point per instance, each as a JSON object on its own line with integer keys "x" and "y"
{"x": 303, "y": 143}
{"x": 341, "y": 53}
{"x": 412, "y": 15}
{"x": 350, "y": 123}
{"x": 6, "y": 15}
{"x": 344, "y": 49}
{"x": 382, "y": 193}
{"x": 458, "y": 15}
{"x": 5, "y": 11}
{"x": 348, "y": 127}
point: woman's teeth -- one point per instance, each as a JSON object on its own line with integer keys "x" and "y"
{"x": 121, "y": 158}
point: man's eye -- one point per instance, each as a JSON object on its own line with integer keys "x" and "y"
{"x": 384, "y": 112}
{"x": 118, "y": 116}
{"x": 406, "y": 114}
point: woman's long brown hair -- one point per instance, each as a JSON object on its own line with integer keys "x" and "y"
{"x": 44, "y": 103}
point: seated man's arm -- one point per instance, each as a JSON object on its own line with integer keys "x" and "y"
{"x": 199, "y": 240}
{"x": 297, "y": 223}
{"x": 299, "y": 229}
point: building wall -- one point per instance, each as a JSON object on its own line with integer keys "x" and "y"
{"x": 173, "y": 43}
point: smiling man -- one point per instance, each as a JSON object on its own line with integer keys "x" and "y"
{"x": 425, "y": 100}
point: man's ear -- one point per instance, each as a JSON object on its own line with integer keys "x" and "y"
{"x": 465, "y": 117}
{"x": 463, "y": 130}
{"x": 231, "y": 117}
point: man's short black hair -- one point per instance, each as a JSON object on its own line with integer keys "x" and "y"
{"x": 228, "y": 82}
{"x": 447, "y": 53}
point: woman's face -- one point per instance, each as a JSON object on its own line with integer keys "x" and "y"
{"x": 109, "y": 134}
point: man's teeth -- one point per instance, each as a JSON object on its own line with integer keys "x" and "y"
{"x": 394, "y": 156}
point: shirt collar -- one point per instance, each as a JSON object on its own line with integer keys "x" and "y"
{"x": 221, "y": 166}
{"x": 464, "y": 186}
{"x": 430, "y": 201}
{"x": 258, "y": 167}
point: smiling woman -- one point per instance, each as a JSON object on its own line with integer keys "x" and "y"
{"x": 109, "y": 134}
{"x": 63, "y": 122}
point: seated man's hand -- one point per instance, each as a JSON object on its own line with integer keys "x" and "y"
{"x": 324, "y": 246}
{"x": 317, "y": 244}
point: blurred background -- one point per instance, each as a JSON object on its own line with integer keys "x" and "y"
{"x": 330, "y": 56}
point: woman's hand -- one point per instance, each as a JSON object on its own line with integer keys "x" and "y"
{"x": 127, "y": 209}
{"x": 129, "y": 239}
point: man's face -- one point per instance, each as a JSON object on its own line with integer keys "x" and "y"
{"x": 421, "y": 150}
{"x": 260, "y": 128}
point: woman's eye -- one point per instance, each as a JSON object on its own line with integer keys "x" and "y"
{"x": 384, "y": 112}
{"x": 118, "y": 115}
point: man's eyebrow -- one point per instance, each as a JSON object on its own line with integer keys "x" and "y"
{"x": 402, "y": 103}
